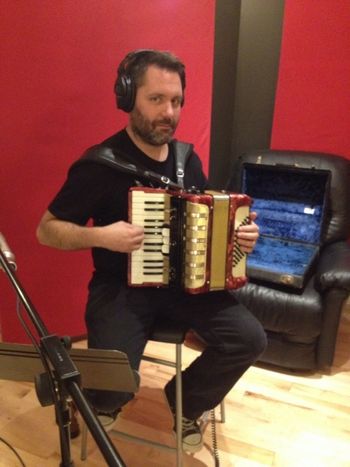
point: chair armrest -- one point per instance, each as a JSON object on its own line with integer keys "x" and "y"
{"x": 333, "y": 269}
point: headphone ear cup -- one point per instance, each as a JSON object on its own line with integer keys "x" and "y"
{"x": 125, "y": 93}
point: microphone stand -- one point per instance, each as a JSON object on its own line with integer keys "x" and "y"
{"x": 61, "y": 379}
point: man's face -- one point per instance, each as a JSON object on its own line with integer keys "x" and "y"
{"x": 157, "y": 109}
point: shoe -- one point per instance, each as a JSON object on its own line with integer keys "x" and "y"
{"x": 192, "y": 439}
{"x": 107, "y": 419}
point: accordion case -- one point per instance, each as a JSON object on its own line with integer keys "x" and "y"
{"x": 291, "y": 206}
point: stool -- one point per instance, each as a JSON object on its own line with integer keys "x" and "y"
{"x": 169, "y": 334}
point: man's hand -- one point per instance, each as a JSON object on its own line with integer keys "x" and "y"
{"x": 247, "y": 235}
{"x": 121, "y": 236}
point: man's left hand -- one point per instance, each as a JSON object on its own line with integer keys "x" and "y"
{"x": 247, "y": 235}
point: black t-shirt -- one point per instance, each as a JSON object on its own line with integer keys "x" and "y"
{"x": 100, "y": 193}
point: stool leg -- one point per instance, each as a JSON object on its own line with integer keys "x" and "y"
{"x": 178, "y": 380}
{"x": 222, "y": 411}
{"x": 83, "y": 446}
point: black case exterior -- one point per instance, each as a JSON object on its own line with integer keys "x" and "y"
{"x": 291, "y": 203}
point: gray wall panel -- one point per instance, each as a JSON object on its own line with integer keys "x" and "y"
{"x": 247, "y": 47}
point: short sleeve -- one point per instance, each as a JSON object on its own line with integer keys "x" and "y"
{"x": 86, "y": 188}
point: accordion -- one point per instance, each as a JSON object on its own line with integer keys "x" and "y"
{"x": 190, "y": 239}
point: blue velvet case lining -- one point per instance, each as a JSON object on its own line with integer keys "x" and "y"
{"x": 291, "y": 204}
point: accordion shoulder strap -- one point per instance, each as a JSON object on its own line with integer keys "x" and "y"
{"x": 121, "y": 162}
{"x": 182, "y": 153}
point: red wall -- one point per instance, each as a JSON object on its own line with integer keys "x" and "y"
{"x": 59, "y": 62}
{"x": 312, "y": 110}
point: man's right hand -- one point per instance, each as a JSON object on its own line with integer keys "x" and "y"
{"x": 121, "y": 236}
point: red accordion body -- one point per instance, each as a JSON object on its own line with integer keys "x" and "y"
{"x": 189, "y": 240}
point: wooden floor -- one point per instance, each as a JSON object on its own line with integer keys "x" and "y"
{"x": 273, "y": 419}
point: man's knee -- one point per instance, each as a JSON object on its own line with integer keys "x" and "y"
{"x": 250, "y": 342}
{"x": 256, "y": 341}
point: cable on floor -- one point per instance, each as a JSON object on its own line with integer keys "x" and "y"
{"x": 2, "y": 440}
{"x": 214, "y": 438}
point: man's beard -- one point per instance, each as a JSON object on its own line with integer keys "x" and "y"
{"x": 148, "y": 130}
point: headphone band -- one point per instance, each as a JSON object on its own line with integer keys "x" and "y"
{"x": 132, "y": 56}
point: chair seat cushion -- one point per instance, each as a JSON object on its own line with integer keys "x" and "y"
{"x": 297, "y": 315}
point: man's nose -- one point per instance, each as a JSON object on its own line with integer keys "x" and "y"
{"x": 168, "y": 109}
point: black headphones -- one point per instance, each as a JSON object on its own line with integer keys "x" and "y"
{"x": 125, "y": 86}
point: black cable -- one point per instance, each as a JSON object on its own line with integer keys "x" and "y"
{"x": 37, "y": 348}
{"x": 214, "y": 438}
{"x": 44, "y": 362}
{"x": 47, "y": 368}
{"x": 34, "y": 342}
{"x": 13, "y": 450}
{"x": 25, "y": 326}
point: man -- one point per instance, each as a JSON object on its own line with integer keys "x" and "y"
{"x": 150, "y": 86}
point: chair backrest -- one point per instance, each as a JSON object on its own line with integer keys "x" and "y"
{"x": 338, "y": 216}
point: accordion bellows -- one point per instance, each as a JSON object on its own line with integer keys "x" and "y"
{"x": 189, "y": 239}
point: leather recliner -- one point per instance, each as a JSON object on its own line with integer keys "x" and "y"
{"x": 302, "y": 325}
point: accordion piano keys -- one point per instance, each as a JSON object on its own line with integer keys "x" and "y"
{"x": 151, "y": 262}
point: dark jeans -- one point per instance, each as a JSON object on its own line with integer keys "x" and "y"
{"x": 122, "y": 318}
